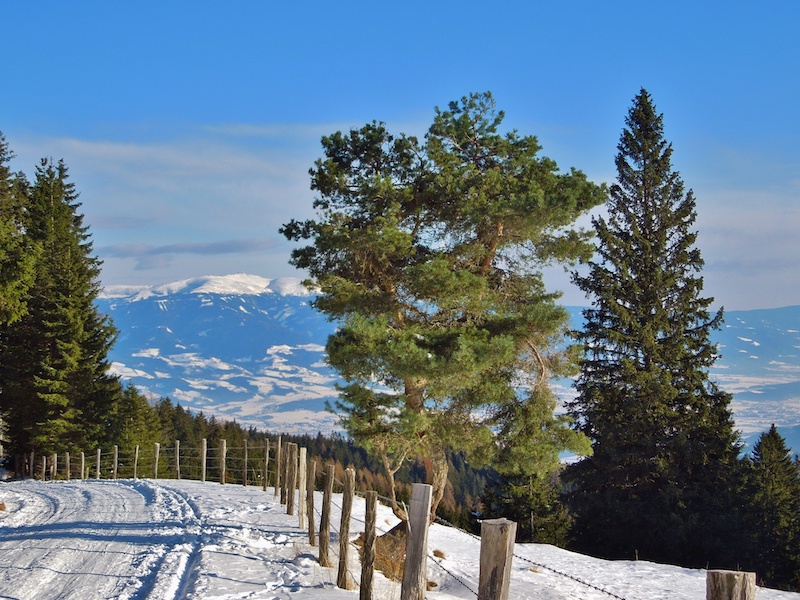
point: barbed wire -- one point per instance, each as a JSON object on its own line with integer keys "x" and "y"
{"x": 569, "y": 576}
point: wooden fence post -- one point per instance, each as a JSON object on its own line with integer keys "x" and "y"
{"x": 97, "y": 465}
{"x": 291, "y": 478}
{"x": 136, "y": 461}
{"x": 730, "y": 585}
{"x": 83, "y": 465}
{"x": 342, "y": 579}
{"x": 310, "y": 485}
{"x": 177, "y": 459}
{"x": 301, "y": 488}
{"x": 156, "y": 452}
{"x": 53, "y": 466}
{"x": 325, "y": 520}
{"x": 285, "y": 473}
{"x": 415, "y": 571}
{"x": 368, "y": 552}
{"x": 66, "y": 465}
{"x": 116, "y": 460}
{"x": 265, "y": 477}
{"x": 32, "y": 468}
{"x": 244, "y": 464}
{"x": 223, "y": 452}
{"x": 497, "y": 550}
{"x": 278, "y": 467}
{"x": 203, "y": 457}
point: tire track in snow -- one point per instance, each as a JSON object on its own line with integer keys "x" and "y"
{"x": 172, "y": 574}
{"x": 126, "y": 539}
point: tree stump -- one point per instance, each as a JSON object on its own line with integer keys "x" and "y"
{"x": 730, "y": 585}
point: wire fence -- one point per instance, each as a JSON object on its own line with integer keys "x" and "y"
{"x": 253, "y": 465}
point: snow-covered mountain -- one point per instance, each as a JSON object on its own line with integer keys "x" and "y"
{"x": 250, "y": 348}
{"x": 239, "y": 347}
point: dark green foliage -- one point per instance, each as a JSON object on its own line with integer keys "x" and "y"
{"x": 18, "y": 253}
{"x": 430, "y": 256}
{"x": 774, "y": 509}
{"x": 55, "y": 391}
{"x": 534, "y": 503}
{"x": 663, "y": 474}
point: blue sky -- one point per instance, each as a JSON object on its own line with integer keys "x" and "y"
{"x": 189, "y": 127}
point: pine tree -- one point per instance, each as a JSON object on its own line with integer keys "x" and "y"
{"x": 658, "y": 483}
{"x": 56, "y": 390}
{"x": 430, "y": 256}
{"x": 774, "y": 498}
{"x": 17, "y": 252}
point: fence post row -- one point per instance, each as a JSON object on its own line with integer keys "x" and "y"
{"x": 295, "y": 477}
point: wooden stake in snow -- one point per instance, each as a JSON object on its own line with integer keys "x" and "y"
{"x": 325, "y": 520}
{"x": 266, "y": 465}
{"x": 730, "y": 585}
{"x": 116, "y": 460}
{"x": 342, "y": 579}
{"x": 368, "y": 556}
{"x": 301, "y": 488}
{"x": 97, "y": 466}
{"x": 497, "y": 550}
{"x": 83, "y": 465}
{"x": 136, "y": 461}
{"x": 66, "y": 464}
{"x": 203, "y": 458}
{"x": 223, "y": 451}
{"x": 156, "y": 450}
{"x": 291, "y": 477}
{"x": 311, "y": 476}
{"x": 278, "y": 459}
{"x": 416, "y": 565}
{"x": 244, "y": 464}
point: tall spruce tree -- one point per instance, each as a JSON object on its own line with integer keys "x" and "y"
{"x": 17, "y": 252}
{"x": 658, "y": 481}
{"x": 55, "y": 389}
{"x": 774, "y": 499}
{"x": 430, "y": 256}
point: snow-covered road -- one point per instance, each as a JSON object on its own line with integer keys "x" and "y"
{"x": 170, "y": 540}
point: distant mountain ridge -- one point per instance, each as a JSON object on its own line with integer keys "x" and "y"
{"x": 250, "y": 348}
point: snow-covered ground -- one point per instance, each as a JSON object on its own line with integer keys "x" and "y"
{"x": 171, "y": 539}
